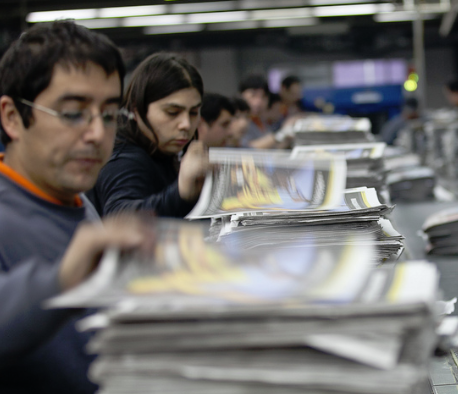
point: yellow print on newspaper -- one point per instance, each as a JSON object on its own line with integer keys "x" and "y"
{"x": 253, "y": 187}
{"x": 199, "y": 265}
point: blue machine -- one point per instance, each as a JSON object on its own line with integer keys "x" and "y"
{"x": 375, "y": 102}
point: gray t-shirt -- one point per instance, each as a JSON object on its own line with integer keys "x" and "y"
{"x": 253, "y": 133}
{"x": 40, "y": 350}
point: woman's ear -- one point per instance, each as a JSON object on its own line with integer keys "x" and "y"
{"x": 10, "y": 118}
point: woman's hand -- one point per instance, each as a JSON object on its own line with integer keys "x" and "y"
{"x": 193, "y": 169}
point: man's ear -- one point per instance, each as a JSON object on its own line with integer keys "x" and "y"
{"x": 10, "y": 117}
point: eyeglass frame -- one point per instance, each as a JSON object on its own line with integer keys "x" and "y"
{"x": 87, "y": 120}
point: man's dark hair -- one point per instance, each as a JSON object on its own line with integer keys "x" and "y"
{"x": 452, "y": 85}
{"x": 289, "y": 80}
{"x": 254, "y": 81}
{"x": 155, "y": 78}
{"x": 27, "y": 66}
{"x": 274, "y": 98}
{"x": 240, "y": 104}
{"x": 212, "y": 106}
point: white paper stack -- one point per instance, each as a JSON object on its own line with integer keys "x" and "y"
{"x": 407, "y": 179}
{"x": 441, "y": 232}
{"x": 300, "y": 318}
{"x": 365, "y": 164}
{"x": 272, "y": 197}
{"x": 321, "y": 129}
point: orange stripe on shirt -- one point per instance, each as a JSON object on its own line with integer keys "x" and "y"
{"x": 29, "y": 186}
{"x": 258, "y": 122}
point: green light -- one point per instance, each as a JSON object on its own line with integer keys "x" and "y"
{"x": 410, "y": 85}
{"x": 413, "y": 77}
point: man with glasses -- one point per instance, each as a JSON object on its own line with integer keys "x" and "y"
{"x": 60, "y": 90}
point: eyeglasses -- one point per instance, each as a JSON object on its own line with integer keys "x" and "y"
{"x": 84, "y": 117}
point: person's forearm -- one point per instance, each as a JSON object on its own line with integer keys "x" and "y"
{"x": 164, "y": 203}
{"x": 23, "y": 323}
{"x": 265, "y": 142}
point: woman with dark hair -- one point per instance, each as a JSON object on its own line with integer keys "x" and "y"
{"x": 144, "y": 173}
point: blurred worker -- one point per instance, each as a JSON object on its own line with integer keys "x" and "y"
{"x": 216, "y": 116}
{"x": 240, "y": 122}
{"x": 291, "y": 95}
{"x": 275, "y": 114}
{"x": 451, "y": 92}
{"x": 390, "y": 130}
{"x": 255, "y": 91}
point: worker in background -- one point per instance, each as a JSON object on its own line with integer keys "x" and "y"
{"x": 255, "y": 91}
{"x": 275, "y": 115}
{"x": 451, "y": 92}
{"x": 216, "y": 115}
{"x": 291, "y": 96}
{"x": 390, "y": 130}
{"x": 240, "y": 122}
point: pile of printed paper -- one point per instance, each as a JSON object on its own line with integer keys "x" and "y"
{"x": 365, "y": 164}
{"x": 408, "y": 179}
{"x": 315, "y": 129}
{"x": 301, "y": 317}
{"x": 441, "y": 231}
{"x": 271, "y": 197}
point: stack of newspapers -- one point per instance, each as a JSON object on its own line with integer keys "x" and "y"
{"x": 408, "y": 179}
{"x": 200, "y": 317}
{"x": 365, "y": 164}
{"x": 330, "y": 129}
{"x": 441, "y": 231}
{"x": 270, "y": 197}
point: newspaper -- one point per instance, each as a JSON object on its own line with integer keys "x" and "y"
{"x": 440, "y": 230}
{"x": 187, "y": 271}
{"x": 359, "y": 211}
{"x": 444, "y": 217}
{"x": 373, "y": 150}
{"x": 247, "y": 182}
{"x": 335, "y": 123}
{"x": 365, "y": 162}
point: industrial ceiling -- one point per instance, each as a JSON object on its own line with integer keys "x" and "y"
{"x": 317, "y": 25}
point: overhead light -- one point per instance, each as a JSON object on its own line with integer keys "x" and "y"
{"x": 347, "y": 10}
{"x": 173, "y": 29}
{"x": 119, "y": 12}
{"x": 253, "y": 4}
{"x": 218, "y": 17}
{"x": 100, "y": 23}
{"x": 290, "y": 22}
{"x": 203, "y": 7}
{"x": 281, "y": 13}
{"x": 245, "y": 25}
{"x": 48, "y": 16}
{"x": 401, "y": 16}
{"x": 160, "y": 20}
{"x": 334, "y": 2}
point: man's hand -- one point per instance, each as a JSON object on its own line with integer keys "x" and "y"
{"x": 193, "y": 169}
{"x": 123, "y": 231}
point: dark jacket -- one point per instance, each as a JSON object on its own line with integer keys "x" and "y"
{"x": 133, "y": 180}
